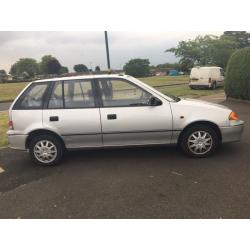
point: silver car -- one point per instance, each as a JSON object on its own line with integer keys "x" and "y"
{"x": 54, "y": 115}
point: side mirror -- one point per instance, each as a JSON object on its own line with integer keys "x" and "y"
{"x": 154, "y": 101}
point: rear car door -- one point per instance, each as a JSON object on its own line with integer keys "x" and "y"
{"x": 72, "y": 112}
{"x": 128, "y": 119}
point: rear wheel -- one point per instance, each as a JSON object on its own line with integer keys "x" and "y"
{"x": 199, "y": 141}
{"x": 214, "y": 85}
{"x": 46, "y": 150}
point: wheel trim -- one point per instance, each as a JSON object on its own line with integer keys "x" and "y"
{"x": 45, "y": 151}
{"x": 200, "y": 142}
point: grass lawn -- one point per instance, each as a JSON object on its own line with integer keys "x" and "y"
{"x": 164, "y": 80}
{"x": 3, "y": 128}
{"x": 178, "y": 90}
{"x": 8, "y": 91}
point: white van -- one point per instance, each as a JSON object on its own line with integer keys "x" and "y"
{"x": 209, "y": 77}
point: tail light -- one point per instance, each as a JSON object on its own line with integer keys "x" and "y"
{"x": 209, "y": 80}
{"x": 233, "y": 116}
{"x": 10, "y": 125}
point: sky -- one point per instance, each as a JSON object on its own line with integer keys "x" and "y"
{"x": 86, "y": 47}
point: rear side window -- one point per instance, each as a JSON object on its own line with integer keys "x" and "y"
{"x": 72, "y": 95}
{"x": 33, "y": 97}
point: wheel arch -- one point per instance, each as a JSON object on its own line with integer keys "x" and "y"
{"x": 202, "y": 122}
{"x": 42, "y": 132}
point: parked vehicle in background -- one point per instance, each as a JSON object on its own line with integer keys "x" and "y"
{"x": 206, "y": 77}
{"x": 53, "y": 115}
{"x": 173, "y": 72}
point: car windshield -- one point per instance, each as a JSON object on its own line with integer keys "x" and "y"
{"x": 174, "y": 98}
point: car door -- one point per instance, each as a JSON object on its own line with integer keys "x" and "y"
{"x": 72, "y": 112}
{"x": 128, "y": 119}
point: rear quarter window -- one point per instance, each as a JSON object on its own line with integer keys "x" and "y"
{"x": 33, "y": 97}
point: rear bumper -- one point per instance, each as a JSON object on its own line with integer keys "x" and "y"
{"x": 200, "y": 85}
{"x": 17, "y": 141}
{"x": 232, "y": 133}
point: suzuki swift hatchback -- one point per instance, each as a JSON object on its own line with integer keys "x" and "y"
{"x": 52, "y": 115}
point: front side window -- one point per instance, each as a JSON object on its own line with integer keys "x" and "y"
{"x": 33, "y": 98}
{"x": 72, "y": 94}
{"x": 121, "y": 93}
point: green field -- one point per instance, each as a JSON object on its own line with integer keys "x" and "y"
{"x": 3, "y": 128}
{"x": 9, "y": 91}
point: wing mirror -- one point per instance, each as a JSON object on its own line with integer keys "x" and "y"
{"x": 154, "y": 101}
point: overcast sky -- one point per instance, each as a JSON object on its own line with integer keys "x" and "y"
{"x": 89, "y": 48}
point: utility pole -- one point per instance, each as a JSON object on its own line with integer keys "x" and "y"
{"x": 107, "y": 50}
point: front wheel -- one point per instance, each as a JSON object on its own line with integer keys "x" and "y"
{"x": 199, "y": 141}
{"x": 46, "y": 150}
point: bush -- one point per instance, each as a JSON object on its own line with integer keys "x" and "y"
{"x": 237, "y": 81}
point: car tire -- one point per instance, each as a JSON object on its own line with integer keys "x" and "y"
{"x": 46, "y": 150}
{"x": 199, "y": 141}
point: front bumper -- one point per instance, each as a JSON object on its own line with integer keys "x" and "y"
{"x": 17, "y": 141}
{"x": 233, "y": 132}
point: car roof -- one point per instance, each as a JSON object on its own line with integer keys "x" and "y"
{"x": 206, "y": 67}
{"x": 82, "y": 77}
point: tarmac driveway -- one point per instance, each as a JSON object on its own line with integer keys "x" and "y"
{"x": 154, "y": 182}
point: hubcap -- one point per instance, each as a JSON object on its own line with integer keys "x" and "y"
{"x": 200, "y": 142}
{"x": 45, "y": 151}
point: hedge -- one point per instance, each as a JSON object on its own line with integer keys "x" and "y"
{"x": 237, "y": 80}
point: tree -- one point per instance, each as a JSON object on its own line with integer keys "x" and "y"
{"x": 137, "y": 67}
{"x": 97, "y": 69}
{"x": 63, "y": 70}
{"x": 80, "y": 68}
{"x": 241, "y": 38}
{"x": 28, "y": 65}
{"x": 49, "y": 65}
{"x": 207, "y": 50}
{"x": 238, "y": 75}
{"x": 3, "y": 75}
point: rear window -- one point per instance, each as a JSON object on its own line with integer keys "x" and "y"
{"x": 33, "y": 97}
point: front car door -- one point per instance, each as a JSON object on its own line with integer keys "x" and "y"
{"x": 126, "y": 116}
{"x": 72, "y": 112}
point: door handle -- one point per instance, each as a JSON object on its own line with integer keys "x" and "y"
{"x": 54, "y": 118}
{"x": 111, "y": 116}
